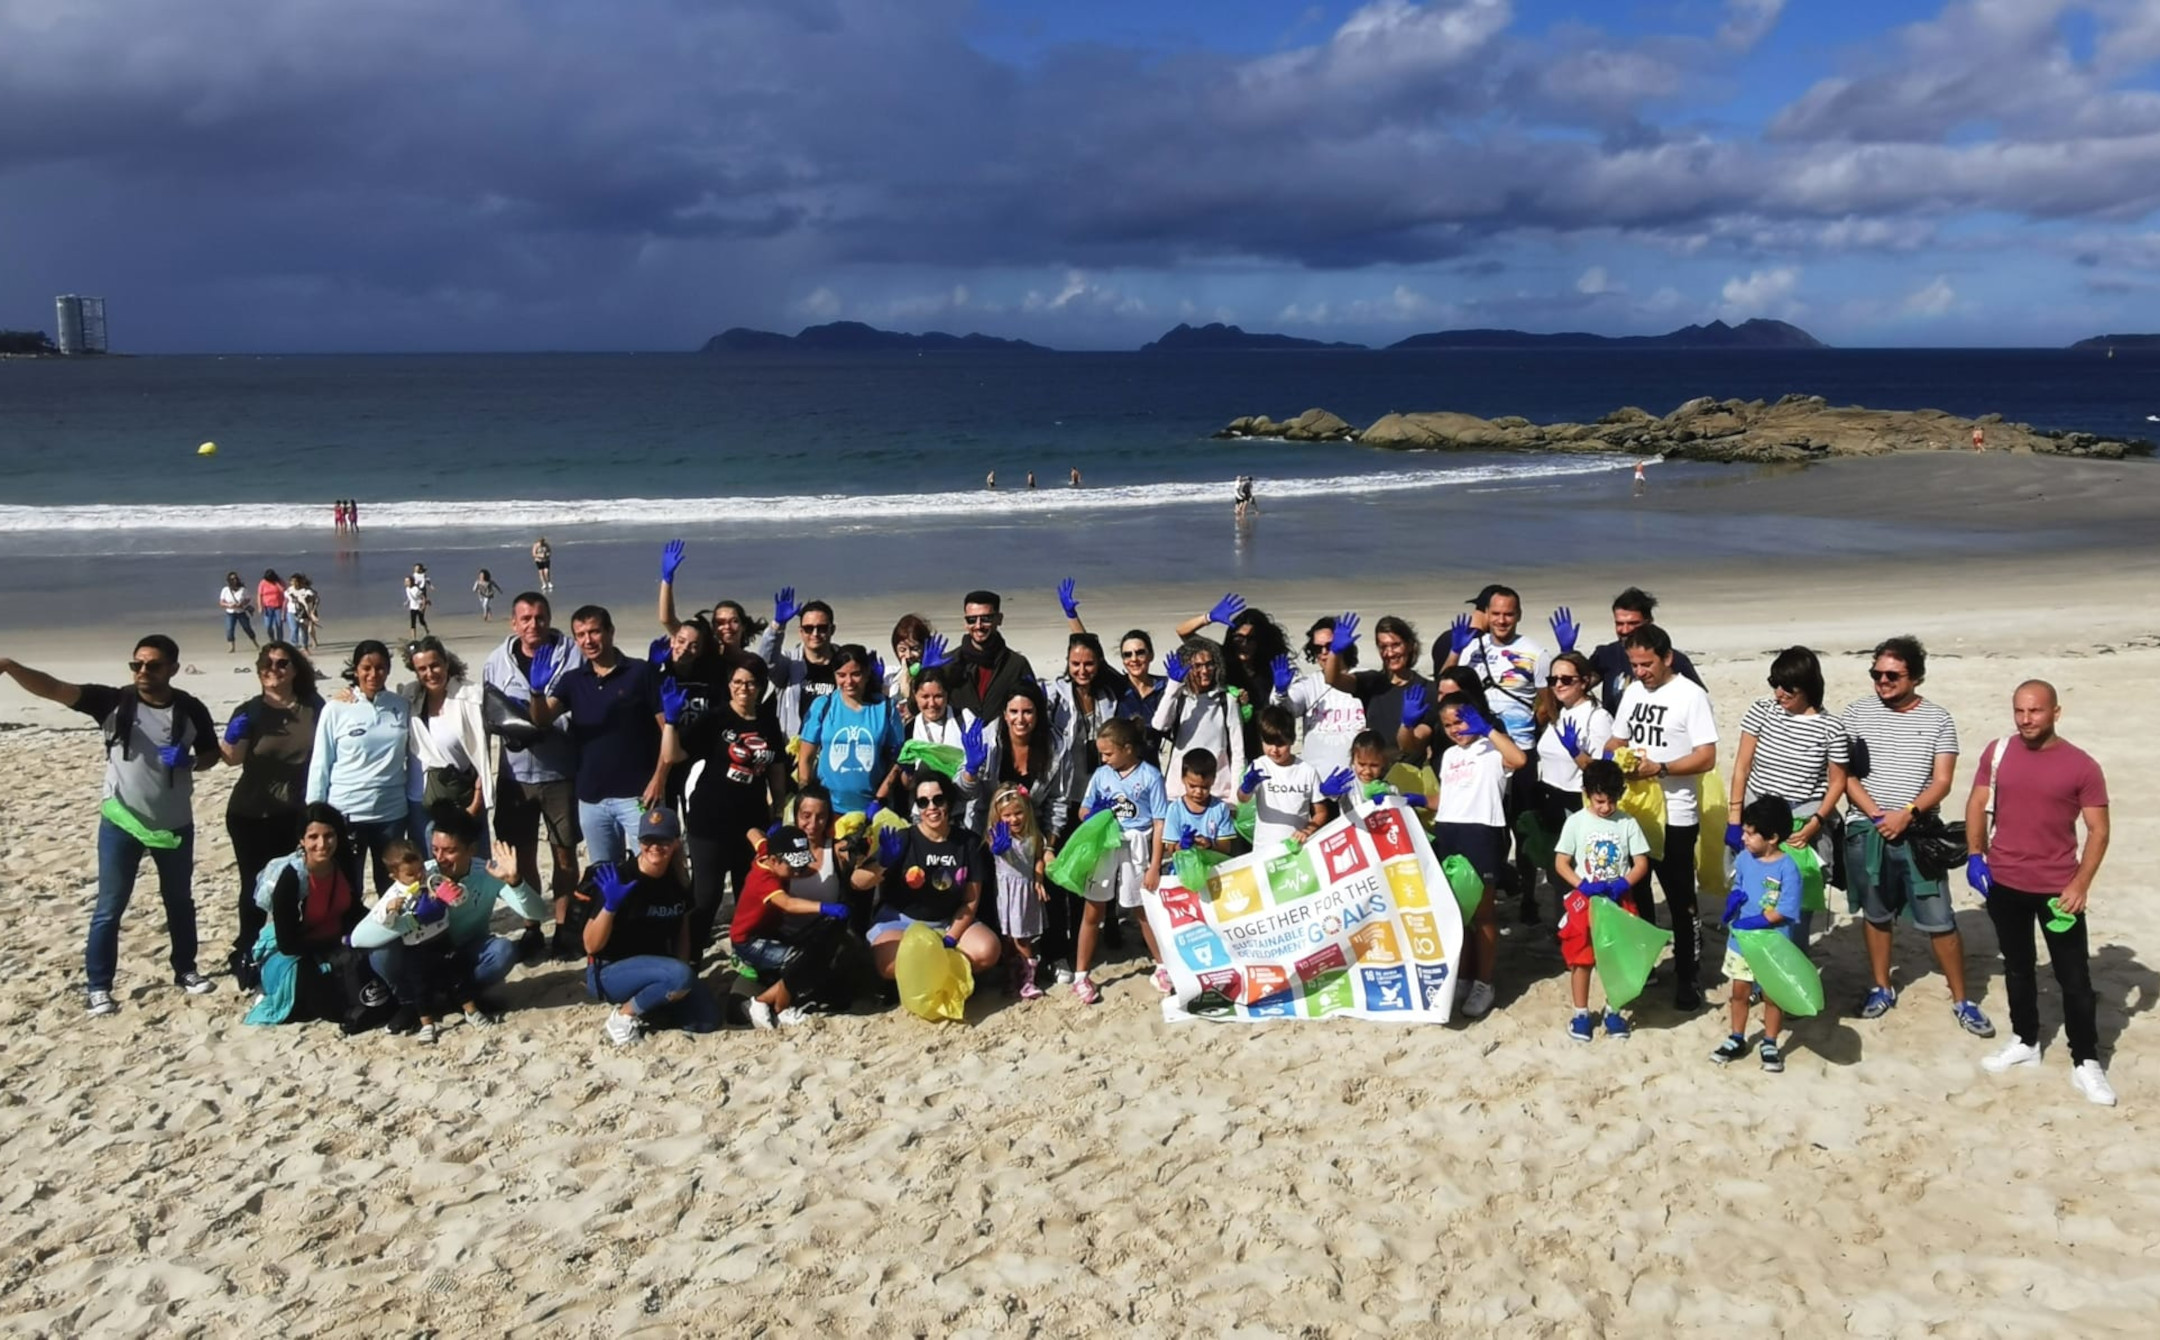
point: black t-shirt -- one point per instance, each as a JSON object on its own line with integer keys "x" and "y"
{"x": 946, "y": 868}
{"x": 732, "y": 794}
{"x": 1383, "y": 701}
{"x": 701, "y": 699}
{"x": 650, "y": 920}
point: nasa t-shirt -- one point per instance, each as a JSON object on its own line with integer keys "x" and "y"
{"x": 929, "y": 881}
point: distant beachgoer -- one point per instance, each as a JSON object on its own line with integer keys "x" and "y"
{"x": 416, "y": 605}
{"x": 990, "y": 480}
{"x": 1979, "y": 438}
{"x": 1642, "y": 481}
{"x": 1245, "y": 502}
{"x": 484, "y": 586}
{"x": 270, "y": 597}
{"x": 544, "y": 563}
{"x": 302, "y": 609}
{"x": 237, "y": 604}
{"x": 352, "y": 514}
{"x": 1031, "y": 479}
{"x": 1074, "y": 480}
{"x": 337, "y": 515}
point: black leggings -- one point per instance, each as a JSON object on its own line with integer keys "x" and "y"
{"x": 716, "y": 866}
{"x": 256, "y": 843}
{"x": 2015, "y": 913}
{"x": 415, "y": 620}
{"x": 1676, "y": 873}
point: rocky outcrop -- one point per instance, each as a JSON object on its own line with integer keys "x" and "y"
{"x": 1794, "y": 428}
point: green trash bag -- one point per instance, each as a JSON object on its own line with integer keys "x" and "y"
{"x": 1191, "y": 867}
{"x": 1084, "y": 850}
{"x": 1627, "y": 948}
{"x": 1812, "y": 880}
{"x": 1243, "y": 820}
{"x": 1463, "y": 881}
{"x": 1787, "y": 979}
{"x": 935, "y": 982}
{"x": 940, "y": 758}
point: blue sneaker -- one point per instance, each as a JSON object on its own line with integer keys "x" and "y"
{"x": 1878, "y": 1003}
{"x": 1579, "y": 1027}
{"x": 1617, "y": 1027}
{"x": 1971, "y": 1020}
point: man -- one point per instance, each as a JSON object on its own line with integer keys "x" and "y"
{"x": 1513, "y": 667}
{"x": 1631, "y": 609}
{"x": 156, "y": 739}
{"x": 1667, "y": 721}
{"x": 989, "y": 671}
{"x": 613, "y": 702}
{"x": 1904, "y": 755}
{"x": 800, "y": 679}
{"x": 534, "y": 792}
{"x": 2035, "y": 786}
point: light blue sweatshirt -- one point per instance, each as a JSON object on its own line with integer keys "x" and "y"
{"x": 359, "y": 762}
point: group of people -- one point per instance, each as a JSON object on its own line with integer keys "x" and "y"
{"x": 289, "y": 607}
{"x": 835, "y": 799}
{"x": 345, "y": 515}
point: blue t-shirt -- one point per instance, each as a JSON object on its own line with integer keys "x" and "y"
{"x": 1137, "y": 796}
{"x": 856, "y": 746}
{"x": 1216, "y": 822}
{"x": 615, "y": 721}
{"x": 1773, "y": 883}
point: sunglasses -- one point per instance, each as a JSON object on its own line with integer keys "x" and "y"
{"x": 1567, "y": 679}
{"x": 931, "y": 803}
{"x": 1315, "y": 650}
{"x": 1886, "y": 676}
{"x": 277, "y": 665}
{"x": 143, "y": 667}
{"x": 816, "y": 628}
{"x": 1782, "y": 686}
{"x": 975, "y": 620}
{"x": 1136, "y": 654}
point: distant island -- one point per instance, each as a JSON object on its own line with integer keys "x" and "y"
{"x": 2119, "y": 341}
{"x": 853, "y": 337}
{"x": 1756, "y": 334}
{"x": 1215, "y": 335}
{"x": 27, "y": 344}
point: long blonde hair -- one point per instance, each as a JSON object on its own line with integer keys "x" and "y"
{"x": 1025, "y": 830}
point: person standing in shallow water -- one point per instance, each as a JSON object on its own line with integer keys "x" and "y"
{"x": 543, "y": 559}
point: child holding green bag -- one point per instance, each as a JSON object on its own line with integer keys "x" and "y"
{"x": 1602, "y": 853}
{"x": 1765, "y": 896}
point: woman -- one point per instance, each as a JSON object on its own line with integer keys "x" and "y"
{"x": 1381, "y": 690}
{"x": 1791, "y": 748}
{"x": 300, "y": 955}
{"x": 933, "y": 874}
{"x": 909, "y": 636}
{"x": 416, "y": 606}
{"x": 791, "y": 926}
{"x": 637, "y": 938}
{"x": 485, "y": 587}
{"x": 850, "y": 740}
{"x": 734, "y": 782}
{"x": 692, "y": 664}
{"x": 270, "y": 738}
{"x": 1331, "y": 719}
{"x": 237, "y": 604}
{"x": 1020, "y": 750}
{"x": 270, "y": 596}
{"x": 1201, "y": 712}
{"x": 1080, "y": 701}
{"x": 359, "y": 761}
{"x": 449, "y": 754}
{"x": 1572, "y": 728}
{"x": 1250, "y": 647}
{"x": 301, "y": 610}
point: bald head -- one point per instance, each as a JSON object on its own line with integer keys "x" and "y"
{"x": 2036, "y": 710}
{"x": 2045, "y": 691}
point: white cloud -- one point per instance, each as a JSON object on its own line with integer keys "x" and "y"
{"x": 1932, "y": 300}
{"x": 823, "y": 304}
{"x": 1748, "y": 22}
{"x": 1762, "y": 293}
{"x": 1595, "y": 281}
{"x": 1080, "y": 293}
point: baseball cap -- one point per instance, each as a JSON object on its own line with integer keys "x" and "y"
{"x": 659, "y": 826}
{"x": 1482, "y": 598}
{"x": 791, "y": 847}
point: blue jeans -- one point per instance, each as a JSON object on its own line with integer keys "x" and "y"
{"x": 119, "y": 859}
{"x": 647, "y": 981}
{"x": 274, "y": 625}
{"x": 237, "y": 622}
{"x": 610, "y": 828}
{"x": 416, "y": 973}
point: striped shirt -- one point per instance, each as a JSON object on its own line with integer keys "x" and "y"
{"x": 1793, "y": 755}
{"x": 1901, "y": 748}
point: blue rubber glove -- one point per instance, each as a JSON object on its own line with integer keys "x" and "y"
{"x": 427, "y": 909}
{"x": 673, "y": 699}
{"x": 1979, "y": 876}
{"x": 890, "y": 844}
{"x": 1733, "y": 903}
{"x": 671, "y": 560}
{"x": 870, "y": 812}
{"x": 1591, "y": 888}
{"x": 951, "y": 943}
{"x": 237, "y": 728}
{"x": 877, "y": 673}
{"x": 784, "y": 607}
{"x": 1000, "y": 838}
{"x": 1280, "y": 667}
{"x": 1473, "y": 722}
{"x": 1185, "y": 840}
{"x": 173, "y": 755}
{"x": 1733, "y": 839}
{"x": 1069, "y": 599}
{"x": 1616, "y": 889}
{"x": 936, "y": 652}
{"x": 1461, "y": 634}
{"x": 613, "y": 889}
{"x": 1564, "y": 630}
{"x": 1418, "y": 802}
{"x": 836, "y": 911}
{"x": 1226, "y": 609}
{"x": 1570, "y": 739}
{"x": 1758, "y": 922}
{"x": 1416, "y": 702}
{"x": 1174, "y": 666}
{"x": 660, "y": 650}
{"x": 543, "y": 667}
{"x": 1338, "y": 783}
{"x": 1345, "y": 634}
{"x": 974, "y": 748}
{"x": 1250, "y": 782}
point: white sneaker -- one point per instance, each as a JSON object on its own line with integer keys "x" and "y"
{"x": 1478, "y": 1003}
{"x": 622, "y": 1029}
{"x": 427, "y": 1034}
{"x": 791, "y": 1016}
{"x": 761, "y": 1015}
{"x": 101, "y": 1003}
{"x": 1064, "y": 975}
{"x": 2090, "y": 1080}
{"x": 2016, "y": 1054}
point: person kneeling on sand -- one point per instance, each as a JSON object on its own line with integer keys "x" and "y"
{"x": 791, "y": 941}
{"x": 636, "y": 919}
{"x": 933, "y": 874}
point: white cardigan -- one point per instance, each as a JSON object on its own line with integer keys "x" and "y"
{"x": 462, "y": 703}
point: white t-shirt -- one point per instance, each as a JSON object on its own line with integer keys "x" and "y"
{"x": 1513, "y": 674}
{"x": 1284, "y": 802}
{"x": 1332, "y": 719}
{"x": 415, "y": 596}
{"x": 1472, "y": 778}
{"x": 1666, "y": 725}
{"x": 1593, "y": 728}
{"x": 232, "y": 599}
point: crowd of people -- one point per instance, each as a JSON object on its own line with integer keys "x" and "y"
{"x": 730, "y": 828}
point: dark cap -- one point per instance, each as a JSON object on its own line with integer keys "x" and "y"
{"x": 659, "y": 826}
{"x": 791, "y": 847}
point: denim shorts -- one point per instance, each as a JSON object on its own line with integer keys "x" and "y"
{"x": 891, "y": 922}
{"x": 1885, "y": 882}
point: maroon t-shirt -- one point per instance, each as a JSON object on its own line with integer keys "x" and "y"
{"x": 2035, "y": 844}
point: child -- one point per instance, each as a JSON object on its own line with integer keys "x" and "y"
{"x": 484, "y": 586}
{"x": 1133, "y": 789}
{"x": 1765, "y": 896}
{"x": 1287, "y": 803}
{"x": 784, "y": 933}
{"x": 1471, "y": 823}
{"x": 1195, "y": 819}
{"x": 418, "y": 914}
{"x": 1368, "y": 765}
{"x": 1017, "y": 852}
{"x": 1601, "y": 853}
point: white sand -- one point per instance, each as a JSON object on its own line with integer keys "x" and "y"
{"x": 1053, "y": 1169}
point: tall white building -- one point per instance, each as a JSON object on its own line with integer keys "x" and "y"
{"x": 81, "y": 323}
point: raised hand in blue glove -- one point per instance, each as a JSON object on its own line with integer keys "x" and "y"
{"x": 1416, "y": 702}
{"x": 660, "y": 650}
{"x": 1344, "y": 634}
{"x": 1174, "y": 666}
{"x": 835, "y": 911}
{"x": 1734, "y": 841}
{"x": 784, "y": 607}
{"x": 936, "y": 652}
{"x": 1564, "y": 630}
{"x": 614, "y": 889}
{"x": 1758, "y": 922}
{"x": 1069, "y": 599}
{"x": 1280, "y": 668}
{"x": 1734, "y": 902}
{"x": 1226, "y": 609}
{"x": 890, "y": 844}
{"x": 877, "y": 674}
{"x": 1185, "y": 840}
{"x": 1001, "y": 838}
{"x": 1473, "y": 722}
{"x": 1461, "y": 634}
{"x": 1250, "y": 782}
{"x": 236, "y": 729}
{"x": 671, "y": 560}
{"x": 974, "y": 748}
{"x": 1338, "y": 783}
{"x": 673, "y": 699}
{"x": 173, "y": 755}
{"x": 543, "y": 666}
{"x": 1979, "y": 876}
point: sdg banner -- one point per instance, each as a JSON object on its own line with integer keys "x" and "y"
{"x": 1360, "y": 923}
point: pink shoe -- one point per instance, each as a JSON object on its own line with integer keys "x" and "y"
{"x": 1163, "y": 982}
{"x": 1086, "y": 990}
{"x": 1028, "y": 989}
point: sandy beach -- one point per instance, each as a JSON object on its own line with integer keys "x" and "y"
{"x": 1052, "y": 1169}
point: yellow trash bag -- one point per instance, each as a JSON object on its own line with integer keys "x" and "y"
{"x": 935, "y": 982}
{"x": 1645, "y": 800}
{"x": 1712, "y": 808}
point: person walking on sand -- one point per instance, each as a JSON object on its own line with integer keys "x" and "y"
{"x": 2032, "y": 789}
{"x": 416, "y": 605}
{"x": 484, "y": 587}
{"x": 237, "y": 604}
{"x": 544, "y": 564}
{"x": 156, "y": 739}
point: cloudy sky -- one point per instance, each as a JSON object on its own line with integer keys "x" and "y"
{"x": 637, "y": 174}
